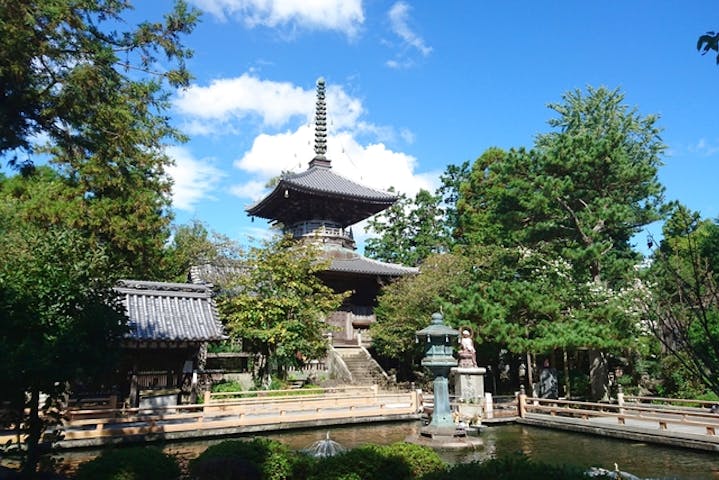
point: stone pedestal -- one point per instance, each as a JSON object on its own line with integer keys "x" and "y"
{"x": 469, "y": 384}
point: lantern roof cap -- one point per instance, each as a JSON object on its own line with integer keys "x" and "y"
{"x": 437, "y": 328}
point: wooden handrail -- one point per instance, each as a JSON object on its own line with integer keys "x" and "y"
{"x": 670, "y": 400}
{"x": 685, "y": 417}
{"x": 240, "y": 413}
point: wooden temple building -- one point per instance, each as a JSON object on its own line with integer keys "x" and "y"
{"x": 170, "y": 327}
{"x": 320, "y": 206}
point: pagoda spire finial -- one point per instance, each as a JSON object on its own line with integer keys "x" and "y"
{"x": 320, "y": 127}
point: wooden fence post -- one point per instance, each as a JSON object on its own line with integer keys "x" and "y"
{"x": 522, "y": 402}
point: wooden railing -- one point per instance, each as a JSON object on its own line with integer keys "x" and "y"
{"x": 233, "y": 411}
{"x": 662, "y": 417}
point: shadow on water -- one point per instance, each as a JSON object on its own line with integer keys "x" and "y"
{"x": 549, "y": 446}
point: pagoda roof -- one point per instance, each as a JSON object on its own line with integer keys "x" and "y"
{"x": 161, "y": 311}
{"x": 320, "y": 193}
{"x": 344, "y": 260}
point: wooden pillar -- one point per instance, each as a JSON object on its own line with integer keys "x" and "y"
{"x": 134, "y": 400}
{"x": 567, "y": 382}
{"x": 530, "y": 373}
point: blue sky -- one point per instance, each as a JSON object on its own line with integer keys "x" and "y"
{"x": 415, "y": 86}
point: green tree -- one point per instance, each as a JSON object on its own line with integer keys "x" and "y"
{"x": 70, "y": 74}
{"x": 409, "y": 231}
{"x": 600, "y": 182}
{"x": 407, "y": 304}
{"x": 683, "y": 305}
{"x": 60, "y": 320}
{"x": 278, "y": 307}
{"x": 193, "y": 244}
{"x": 86, "y": 95}
{"x": 556, "y": 222}
{"x": 709, "y": 41}
{"x": 81, "y": 93}
{"x": 451, "y": 182}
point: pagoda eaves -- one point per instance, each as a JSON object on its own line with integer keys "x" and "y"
{"x": 320, "y": 193}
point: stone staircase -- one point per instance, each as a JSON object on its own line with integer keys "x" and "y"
{"x": 363, "y": 368}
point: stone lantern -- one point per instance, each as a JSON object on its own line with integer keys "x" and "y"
{"x": 439, "y": 340}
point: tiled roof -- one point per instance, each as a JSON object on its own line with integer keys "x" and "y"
{"x": 368, "y": 266}
{"x": 213, "y": 274}
{"x": 323, "y": 180}
{"x": 348, "y": 261}
{"x": 160, "y": 311}
{"x": 319, "y": 193}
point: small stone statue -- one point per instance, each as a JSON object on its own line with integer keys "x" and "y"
{"x": 467, "y": 353}
{"x": 548, "y": 381}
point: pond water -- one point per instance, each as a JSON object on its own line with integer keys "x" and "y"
{"x": 550, "y": 446}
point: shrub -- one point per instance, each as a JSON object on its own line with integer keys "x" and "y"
{"x": 399, "y": 461}
{"x": 272, "y": 459}
{"x": 420, "y": 460}
{"x": 225, "y": 468}
{"x": 136, "y": 463}
{"x": 227, "y": 386}
{"x": 516, "y": 467}
{"x": 365, "y": 462}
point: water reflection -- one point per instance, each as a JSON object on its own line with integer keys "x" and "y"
{"x": 550, "y": 446}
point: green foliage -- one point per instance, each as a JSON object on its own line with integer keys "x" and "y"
{"x": 516, "y": 467}
{"x": 549, "y": 229}
{"x": 193, "y": 244}
{"x": 451, "y": 180}
{"x": 707, "y": 42}
{"x": 420, "y": 460}
{"x": 277, "y": 308}
{"x": 410, "y": 230}
{"x": 60, "y": 320}
{"x": 226, "y": 386}
{"x": 70, "y": 97}
{"x": 136, "y": 463}
{"x": 683, "y": 308}
{"x": 407, "y": 304}
{"x": 399, "y": 461}
{"x": 70, "y": 73}
{"x": 274, "y": 460}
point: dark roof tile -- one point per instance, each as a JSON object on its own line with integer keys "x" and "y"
{"x": 160, "y": 311}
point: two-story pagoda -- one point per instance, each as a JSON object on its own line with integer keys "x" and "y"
{"x": 319, "y": 206}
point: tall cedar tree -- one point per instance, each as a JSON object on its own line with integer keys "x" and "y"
{"x": 83, "y": 92}
{"x": 91, "y": 98}
{"x": 409, "y": 231}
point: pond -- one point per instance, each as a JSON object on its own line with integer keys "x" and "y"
{"x": 550, "y": 446}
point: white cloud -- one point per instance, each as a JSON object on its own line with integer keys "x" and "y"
{"x": 253, "y": 189}
{"x": 224, "y": 104}
{"x": 345, "y": 16}
{"x": 220, "y": 106}
{"x": 372, "y": 165}
{"x": 274, "y": 102}
{"x": 398, "y": 17}
{"x": 399, "y": 20}
{"x": 704, "y": 148}
{"x": 193, "y": 179}
{"x": 407, "y": 135}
